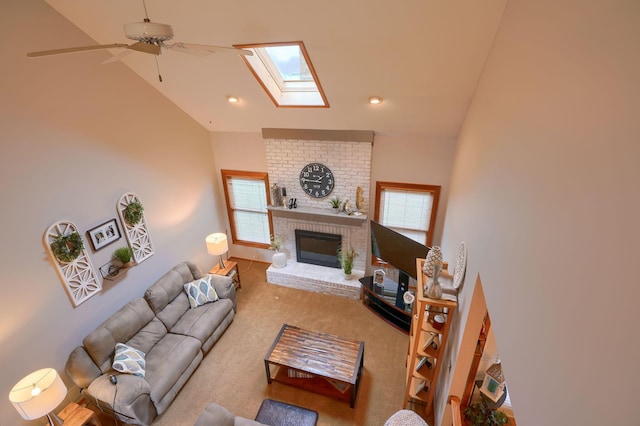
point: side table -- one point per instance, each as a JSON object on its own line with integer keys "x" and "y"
{"x": 230, "y": 270}
{"x": 77, "y": 415}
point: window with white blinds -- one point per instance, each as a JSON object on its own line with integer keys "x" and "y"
{"x": 246, "y": 197}
{"x": 407, "y": 213}
{"x": 409, "y": 209}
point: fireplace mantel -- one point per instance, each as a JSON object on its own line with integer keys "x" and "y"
{"x": 320, "y": 215}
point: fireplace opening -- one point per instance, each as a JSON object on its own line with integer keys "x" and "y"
{"x": 317, "y": 248}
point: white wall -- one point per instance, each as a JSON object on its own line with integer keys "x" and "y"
{"x": 544, "y": 192}
{"x": 412, "y": 159}
{"x": 243, "y": 151}
{"x": 75, "y": 135}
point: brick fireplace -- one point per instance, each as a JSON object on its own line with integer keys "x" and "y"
{"x": 348, "y": 155}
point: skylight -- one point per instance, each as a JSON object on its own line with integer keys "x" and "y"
{"x": 285, "y": 72}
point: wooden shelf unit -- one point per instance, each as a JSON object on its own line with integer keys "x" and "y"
{"x": 426, "y": 341}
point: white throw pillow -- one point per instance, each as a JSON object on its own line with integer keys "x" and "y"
{"x": 129, "y": 360}
{"x": 200, "y": 292}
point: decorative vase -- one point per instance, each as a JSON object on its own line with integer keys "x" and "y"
{"x": 434, "y": 290}
{"x": 279, "y": 259}
{"x": 433, "y": 257}
{"x": 348, "y": 276}
{"x": 276, "y": 196}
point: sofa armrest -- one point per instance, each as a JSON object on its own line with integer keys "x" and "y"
{"x": 225, "y": 288}
{"x": 216, "y": 415}
{"x": 80, "y": 368}
{"x": 129, "y": 398}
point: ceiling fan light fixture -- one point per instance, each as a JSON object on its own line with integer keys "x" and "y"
{"x": 148, "y": 32}
{"x": 233, "y": 99}
{"x": 375, "y": 100}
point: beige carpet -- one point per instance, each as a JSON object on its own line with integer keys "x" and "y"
{"x": 233, "y": 373}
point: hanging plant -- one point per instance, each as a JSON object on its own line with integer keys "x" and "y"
{"x": 67, "y": 248}
{"x": 133, "y": 213}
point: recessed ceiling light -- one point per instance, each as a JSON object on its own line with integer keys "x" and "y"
{"x": 233, "y": 99}
{"x": 375, "y": 100}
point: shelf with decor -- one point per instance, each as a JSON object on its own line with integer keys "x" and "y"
{"x": 427, "y": 341}
{"x": 319, "y": 215}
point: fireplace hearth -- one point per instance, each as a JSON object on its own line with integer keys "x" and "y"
{"x": 317, "y": 248}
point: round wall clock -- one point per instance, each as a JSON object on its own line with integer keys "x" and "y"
{"x": 316, "y": 180}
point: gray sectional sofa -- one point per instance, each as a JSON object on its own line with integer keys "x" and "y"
{"x": 173, "y": 336}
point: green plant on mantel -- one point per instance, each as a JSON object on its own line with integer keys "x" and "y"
{"x": 346, "y": 257}
{"x": 133, "y": 213}
{"x": 123, "y": 254}
{"x": 335, "y": 202}
{"x": 480, "y": 414}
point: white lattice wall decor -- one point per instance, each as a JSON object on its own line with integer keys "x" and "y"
{"x": 78, "y": 275}
{"x": 138, "y": 234}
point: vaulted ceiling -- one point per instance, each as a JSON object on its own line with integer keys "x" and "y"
{"x": 423, "y": 57}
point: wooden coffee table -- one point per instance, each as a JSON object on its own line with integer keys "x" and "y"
{"x": 317, "y": 362}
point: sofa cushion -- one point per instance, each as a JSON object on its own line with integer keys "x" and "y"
{"x": 129, "y": 360}
{"x": 148, "y": 336}
{"x": 203, "y": 321}
{"x": 168, "y": 286}
{"x": 200, "y": 292}
{"x": 120, "y": 327}
{"x": 167, "y": 360}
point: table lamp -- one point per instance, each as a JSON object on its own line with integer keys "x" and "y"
{"x": 217, "y": 246}
{"x": 38, "y": 394}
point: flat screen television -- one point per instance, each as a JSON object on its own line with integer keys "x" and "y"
{"x": 396, "y": 249}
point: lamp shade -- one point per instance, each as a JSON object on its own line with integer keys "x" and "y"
{"x": 217, "y": 244}
{"x": 38, "y": 394}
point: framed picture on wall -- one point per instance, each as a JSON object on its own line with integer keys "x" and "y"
{"x": 103, "y": 235}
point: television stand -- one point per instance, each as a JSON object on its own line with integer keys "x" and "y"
{"x": 387, "y": 302}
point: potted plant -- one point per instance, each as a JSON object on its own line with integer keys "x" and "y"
{"x": 335, "y": 204}
{"x": 480, "y": 414}
{"x": 279, "y": 259}
{"x": 124, "y": 254}
{"x": 133, "y": 213}
{"x": 346, "y": 257}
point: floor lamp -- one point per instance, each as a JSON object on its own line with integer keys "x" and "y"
{"x": 38, "y": 394}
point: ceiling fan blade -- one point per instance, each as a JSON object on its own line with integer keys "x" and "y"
{"x": 154, "y": 49}
{"x": 118, "y": 57}
{"x": 185, "y": 48}
{"x": 206, "y": 49}
{"x": 73, "y": 49}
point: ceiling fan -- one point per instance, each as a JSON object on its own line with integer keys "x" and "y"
{"x": 150, "y": 37}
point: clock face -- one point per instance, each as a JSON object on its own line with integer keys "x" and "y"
{"x": 316, "y": 180}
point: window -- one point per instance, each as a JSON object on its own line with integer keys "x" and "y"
{"x": 407, "y": 208}
{"x": 285, "y": 72}
{"x": 246, "y": 196}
